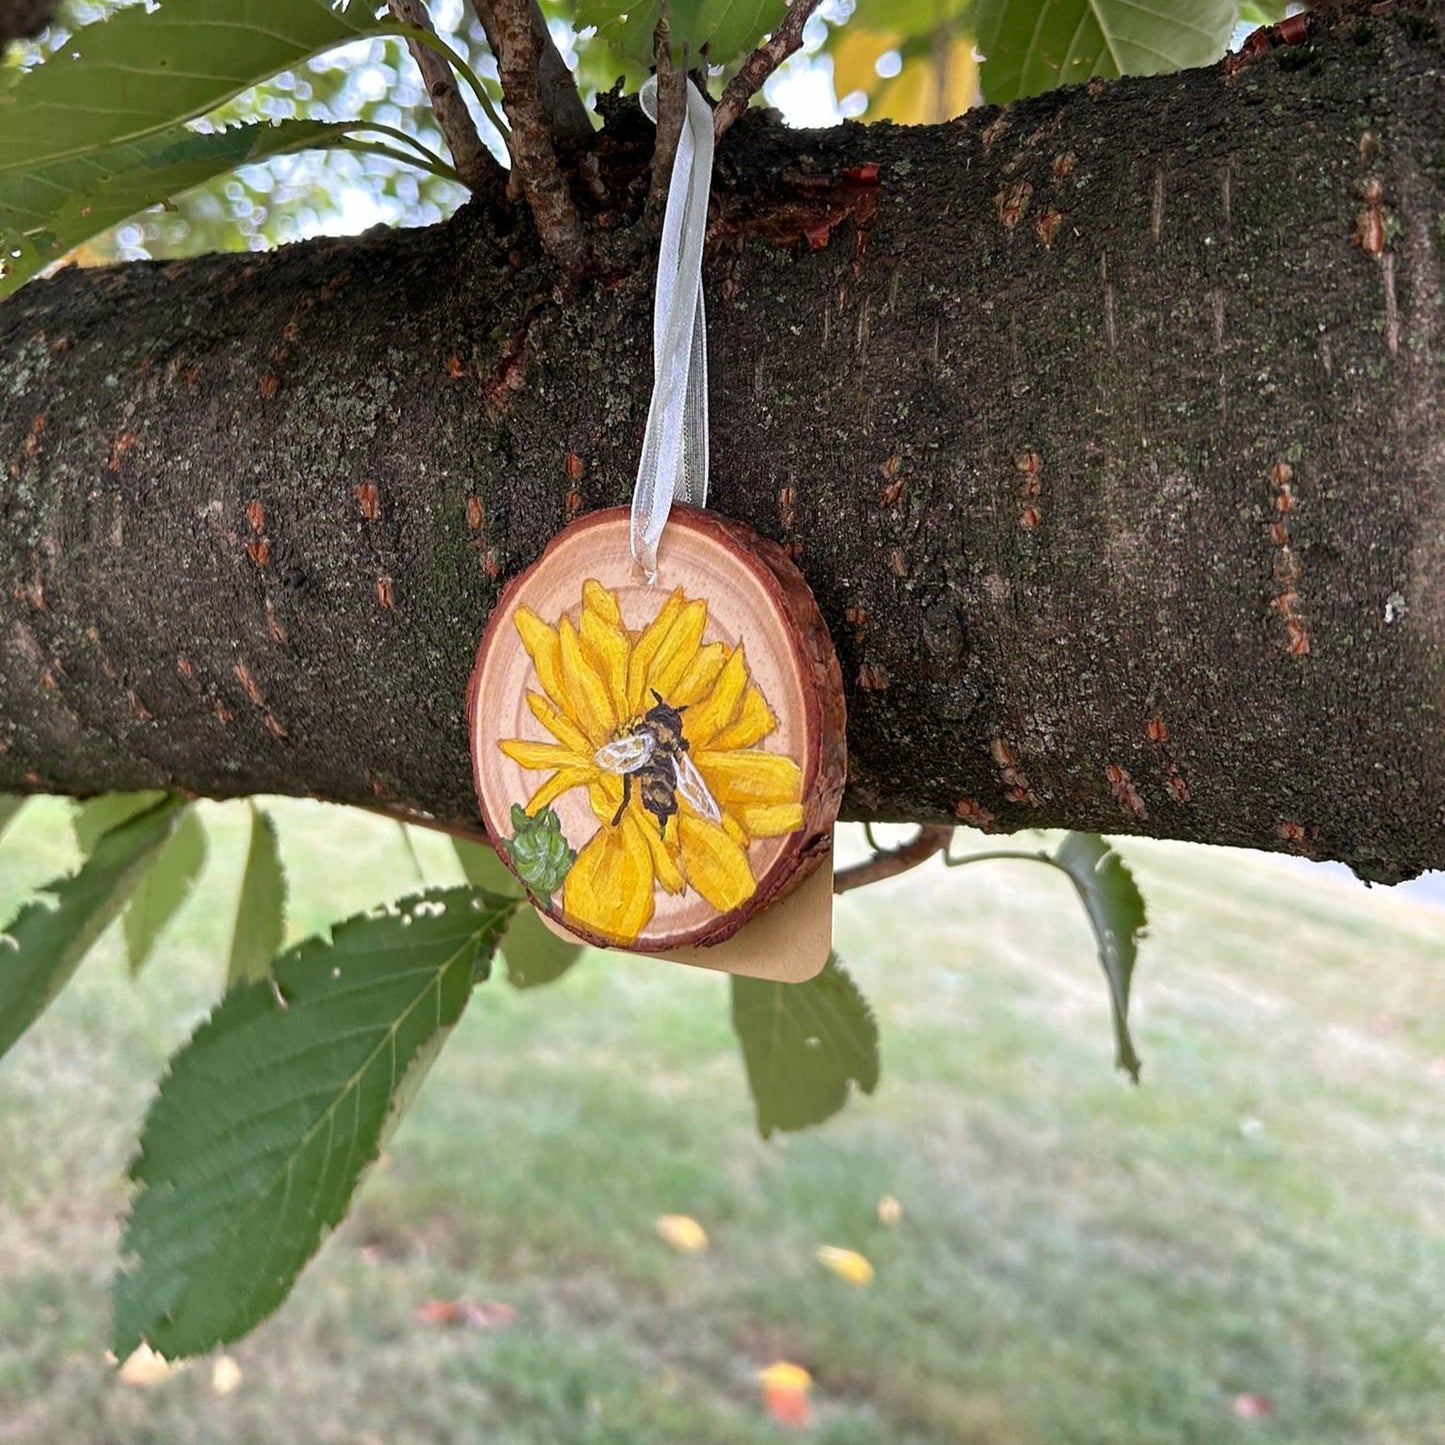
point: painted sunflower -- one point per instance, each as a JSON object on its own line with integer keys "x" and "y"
{"x": 602, "y": 688}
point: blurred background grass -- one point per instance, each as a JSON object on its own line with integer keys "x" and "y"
{"x": 1077, "y": 1260}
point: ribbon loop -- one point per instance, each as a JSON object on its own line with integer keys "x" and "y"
{"x": 674, "y": 450}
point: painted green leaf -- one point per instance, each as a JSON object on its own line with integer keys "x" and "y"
{"x": 255, "y": 1144}
{"x": 147, "y": 67}
{"x": 534, "y": 955}
{"x": 1035, "y": 45}
{"x": 1116, "y": 911}
{"x": 539, "y": 850}
{"x": 261, "y": 906}
{"x": 166, "y": 885}
{"x": 802, "y": 1044}
{"x": 47, "y": 210}
{"x": 43, "y": 946}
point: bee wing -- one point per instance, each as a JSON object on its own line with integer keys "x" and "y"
{"x": 625, "y": 754}
{"x": 693, "y": 789}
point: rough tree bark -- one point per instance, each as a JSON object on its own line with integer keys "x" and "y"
{"x": 1107, "y": 428}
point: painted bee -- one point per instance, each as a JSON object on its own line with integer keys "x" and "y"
{"x": 654, "y": 751}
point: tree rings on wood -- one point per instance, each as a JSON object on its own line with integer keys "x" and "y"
{"x": 658, "y": 762}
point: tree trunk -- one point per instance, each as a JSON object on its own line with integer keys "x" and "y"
{"x": 1107, "y": 429}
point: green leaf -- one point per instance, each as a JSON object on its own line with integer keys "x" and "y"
{"x": 534, "y": 955}
{"x": 10, "y": 806}
{"x": 166, "y": 885}
{"x": 143, "y": 69}
{"x": 260, "y": 908}
{"x": 1116, "y": 910}
{"x": 732, "y": 28}
{"x": 624, "y": 25}
{"x": 42, "y": 948}
{"x": 95, "y": 817}
{"x": 1034, "y": 45}
{"x": 1270, "y": 13}
{"x": 48, "y": 210}
{"x": 802, "y": 1043}
{"x": 255, "y": 1144}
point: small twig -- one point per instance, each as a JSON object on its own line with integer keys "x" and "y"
{"x": 478, "y": 168}
{"x": 930, "y": 839}
{"x": 571, "y": 125}
{"x": 786, "y": 39}
{"x": 671, "y": 114}
{"x": 534, "y": 157}
{"x": 436, "y": 166}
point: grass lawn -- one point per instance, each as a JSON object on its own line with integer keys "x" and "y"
{"x": 1077, "y": 1260}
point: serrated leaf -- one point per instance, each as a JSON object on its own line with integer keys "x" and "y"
{"x": 732, "y": 28}
{"x": 1031, "y": 46}
{"x": 43, "y": 946}
{"x": 48, "y": 210}
{"x": 1116, "y": 912}
{"x": 802, "y": 1044}
{"x": 534, "y": 955}
{"x": 255, "y": 1144}
{"x": 260, "y": 907}
{"x": 95, "y": 817}
{"x": 624, "y": 26}
{"x": 143, "y": 69}
{"x": 166, "y": 884}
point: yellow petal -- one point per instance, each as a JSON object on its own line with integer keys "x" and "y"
{"x": 645, "y": 649}
{"x": 605, "y": 792}
{"x": 609, "y": 888}
{"x": 544, "y": 649}
{"x": 557, "y": 784}
{"x": 715, "y": 865}
{"x": 701, "y": 674}
{"x": 606, "y": 647}
{"x": 543, "y": 755}
{"x": 664, "y": 859}
{"x": 753, "y": 722}
{"x": 563, "y": 729}
{"x": 750, "y": 776}
{"x": 676, "y": 653}
{"x": 596, "y": 598}
{"x": 846, "y": 1264}
{"x": 771, "y": 820}
{"x": 682, "y": 1232}
{"x": 591, "y": 706}
{"x": 704, "y": 721}
{"x": 735, "y": 830}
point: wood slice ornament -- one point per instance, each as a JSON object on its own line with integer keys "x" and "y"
{"x": 660, "y": 762}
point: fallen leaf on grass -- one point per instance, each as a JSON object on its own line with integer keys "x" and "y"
{"x": 448, "y": 1314}
{"x": 1253, "y": 1407}
{"x": 682, "y": 1232}
{"x": 144, "y": 1368}
{"x": 225, "y": 1376}
{"x": 890, "y": 1211}
{"x": 785, "y": 1393}
{"x": 846, "y": 1264}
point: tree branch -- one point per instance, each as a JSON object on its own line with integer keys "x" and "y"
{"x": 571, "y": 125}
{"x": 535, "y": 167}
{"x": 755, "y": 70}
{"x": 1118, "y": 521}
{"x": 671, "y": 116}
{"x": 929, "y": 841}
{"x": 474, "y": 163}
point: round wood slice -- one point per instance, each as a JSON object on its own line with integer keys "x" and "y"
{"x": 701, "y": 810}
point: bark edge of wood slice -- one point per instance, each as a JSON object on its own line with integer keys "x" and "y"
{"x": 757, "y": 603}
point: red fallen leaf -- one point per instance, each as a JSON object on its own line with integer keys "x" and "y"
{"x": 1253, "y": 1407}
{"x": 448, "y": 1314}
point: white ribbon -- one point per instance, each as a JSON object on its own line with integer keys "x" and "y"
{"x": 674, "y": 449}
